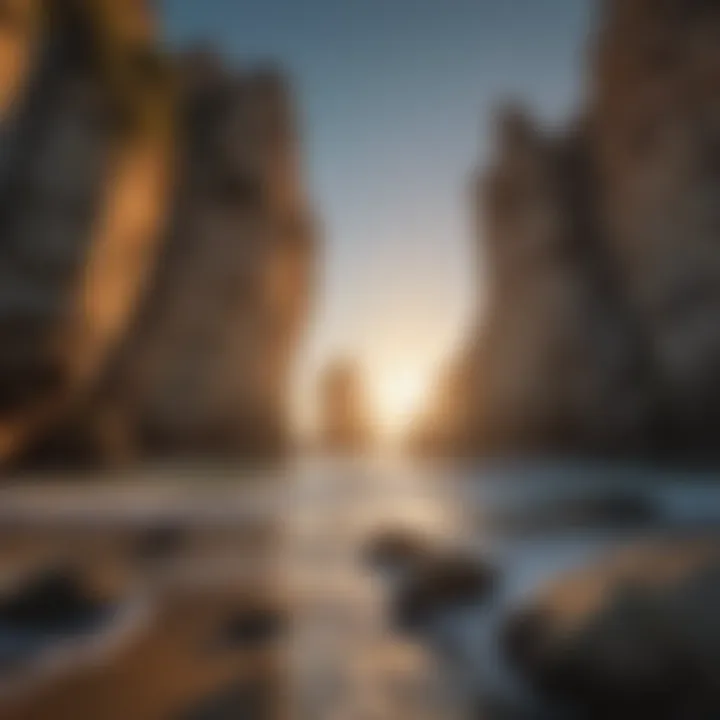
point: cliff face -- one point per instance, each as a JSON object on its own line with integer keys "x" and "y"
{"x": 556, "y": 365}
{"x": 20, "y": 22}
{"x": 208, "y": 364}
{"x": 81, "y": 197}
{"x": 657, "y": 144}
{"x": 601, "y": 332}
{"x": 156, "y": 251}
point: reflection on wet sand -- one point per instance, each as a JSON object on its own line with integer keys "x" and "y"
{"x": 193, "y": 608}
{"x": 279, "y": 597}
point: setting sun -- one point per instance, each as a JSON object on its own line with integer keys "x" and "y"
{"x": 397, "y": 398}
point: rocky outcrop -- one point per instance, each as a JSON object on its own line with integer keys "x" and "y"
{"x": 84, "y": 165}
{"x": 345, "y": 421}
{"x": 632, "y": 635}
{"x": 444, "y": 424}
{"x": 206, "y": 368}
{"x": 598, "y": 333}
{"x": 657, "y": 146}
{"x": 157, "y": 247}
{"x": 557, "y": 365}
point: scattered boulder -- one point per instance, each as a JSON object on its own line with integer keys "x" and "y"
{"x": 241, "y": 700}
{"x": 53, "y": 605}
{"x": 251, "y": 628}
{"x": 54, "y": 600}
{"x": 634, "y": 635}
{"x": 440, "y": 584}
{"x": 160, "y": 543}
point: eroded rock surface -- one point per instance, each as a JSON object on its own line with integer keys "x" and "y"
{"x": 599, "y": 329}
{"x": 84, "y": 164}
{"x": 657, "y": 144}
{"x": 185, "y": 351}
{"x": 635, "y": 634}
{"x": 207, "y": 366}
{"x": 556, "y": 366}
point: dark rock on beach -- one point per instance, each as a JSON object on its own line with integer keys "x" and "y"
{"x": 440, "y": 584}
{"x": 238, "y": 701}
{"x": 160, "y": 543}
{"x": 397, "y": 548}
{"x": 251, "y": 628}
{"x": 51, "y": 606}
{"x": 634, "y": 635}
{"x": 54, "y": 601}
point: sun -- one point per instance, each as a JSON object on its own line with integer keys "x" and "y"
{"x": 398, "y": 396}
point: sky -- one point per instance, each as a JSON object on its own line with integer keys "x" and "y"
{"x": 396, "y": 100}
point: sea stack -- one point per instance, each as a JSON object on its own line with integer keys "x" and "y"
{"x": 345, "y": 421}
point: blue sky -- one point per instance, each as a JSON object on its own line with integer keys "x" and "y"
{"x": 395, "y": 98}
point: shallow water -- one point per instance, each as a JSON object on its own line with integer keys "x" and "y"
{"x": 531, "y": 522}
{"x": 302, "y": 529}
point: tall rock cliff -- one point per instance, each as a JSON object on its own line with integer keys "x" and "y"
{"x": 601, "y": 332}
{"x": 209, "y": 363}
{"x": 156, "y": 244}
{"x": 84, "y": 164}
{"x": 566, "y": 370}
{"x": 657, "y": 145}
{"x": 205, "y": 368}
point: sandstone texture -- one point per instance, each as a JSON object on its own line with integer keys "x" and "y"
{"x": 599, "y": 328}
{"x": 84, "y": 164}
{"x": 633, "y": 635}
{"x": 206, "y": 368}
{"x": 157, "y": 243}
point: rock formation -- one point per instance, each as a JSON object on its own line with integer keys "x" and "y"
{"x": 632, "y": 635}
{"x": 444, "y": 423}
{"x": 206, "y": 368}
{"x": 566, "y": 370}
{"x": 156, "y": 243}
{"x": 345, "y": 422}
{"x": 600, "y": 330}
{"x": 84, "y": 164}
{"x": 657, "y": 146}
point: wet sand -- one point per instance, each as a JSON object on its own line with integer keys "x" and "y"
{"x": 195, "y": 555}
{"x": 179, "y": 586}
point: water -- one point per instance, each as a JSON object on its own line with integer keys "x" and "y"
{"x": 532, "y": 522}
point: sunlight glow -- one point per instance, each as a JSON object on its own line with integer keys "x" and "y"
{"x": 397, "y": 399}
